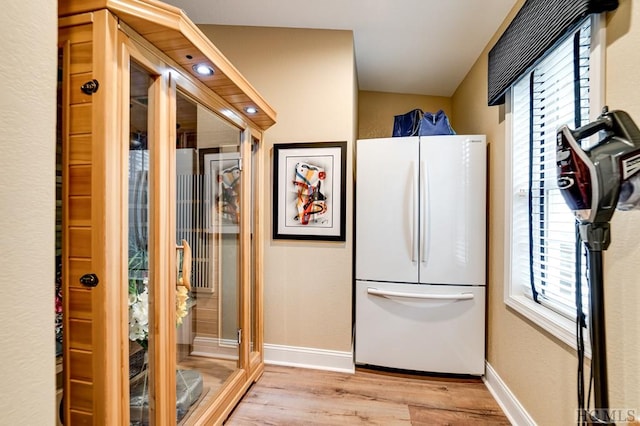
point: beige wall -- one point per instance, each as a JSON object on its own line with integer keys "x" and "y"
{"x": 314, "y": 102}
{"x": 622, "y": 279}
{"x": 537, "y": 368}
{"x": 377, "y": 109}
{"x": 27, "y": 200}
{"x": 307, "y": 76}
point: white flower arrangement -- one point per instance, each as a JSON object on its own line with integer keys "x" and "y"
{"x": 139, "y": 311}
{"x": 139, "y": 315}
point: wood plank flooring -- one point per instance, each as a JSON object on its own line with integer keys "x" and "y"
{"x": 214, "y": 373}
{"x": 214, "y": 370}
{"x": 294, "y": 396}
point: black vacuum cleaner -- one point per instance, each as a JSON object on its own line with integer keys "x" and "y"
{"x": 594, "y": 181}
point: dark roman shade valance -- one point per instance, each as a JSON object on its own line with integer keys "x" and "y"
{"x": 537, "y": 26}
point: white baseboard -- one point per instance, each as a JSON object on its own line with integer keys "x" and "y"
{"x": 214, "y": 347}
{"x": 319, "y": 359}
{"x": 512, "y": 408}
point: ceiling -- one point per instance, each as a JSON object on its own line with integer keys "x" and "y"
{"x": 421, "y": 47}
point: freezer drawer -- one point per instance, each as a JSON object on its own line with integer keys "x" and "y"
{"x": 420, "y": 327}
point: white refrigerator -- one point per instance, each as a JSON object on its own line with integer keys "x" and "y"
{"x": 420, "y": 253}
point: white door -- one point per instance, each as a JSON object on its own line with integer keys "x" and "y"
{"x": 452, "y": 209}
{"x": 386, "y": 209}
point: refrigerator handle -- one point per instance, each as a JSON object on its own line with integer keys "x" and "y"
{"x": 414, "y": 191}
{"x": 424, "y": 216}
{"x": 454, "y": 296}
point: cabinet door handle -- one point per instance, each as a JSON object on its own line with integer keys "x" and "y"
{"x": 431, "y": 296}
{"x": 185, "y": 267}
{"x": 89, "y": 280}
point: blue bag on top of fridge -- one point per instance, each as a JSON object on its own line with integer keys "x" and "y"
{"x": 435, "y": 124}
{"x": 407, "y": 124}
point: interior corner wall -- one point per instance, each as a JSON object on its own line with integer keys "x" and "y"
{"x": 539, "y": 370}
{"x": 27, "y": 205}
{"x": 622, "y": 286}
{"x": 307, "y": 76}
{"x": 377, "y": 109}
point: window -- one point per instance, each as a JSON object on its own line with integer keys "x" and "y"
{"x": 559, "y": 89}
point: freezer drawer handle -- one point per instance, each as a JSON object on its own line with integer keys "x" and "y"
{"x": 382, "y": 293}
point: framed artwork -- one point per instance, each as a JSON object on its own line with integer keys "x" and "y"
{"x": 221, "y": 189}
{"x": 309, "y": 197}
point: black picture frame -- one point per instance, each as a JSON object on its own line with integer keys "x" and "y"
{"x": 309, "y": 191}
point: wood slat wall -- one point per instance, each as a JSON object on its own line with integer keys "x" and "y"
{"x": 77, "y": 226}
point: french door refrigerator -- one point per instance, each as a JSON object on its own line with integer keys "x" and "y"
{"x": 420, "y": 253}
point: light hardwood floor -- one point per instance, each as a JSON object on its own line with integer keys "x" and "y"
{"x": 294, "y": 396}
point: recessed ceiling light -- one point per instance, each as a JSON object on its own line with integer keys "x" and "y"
{"x": 251, "y": 110}
{"x": 203, "y": 69}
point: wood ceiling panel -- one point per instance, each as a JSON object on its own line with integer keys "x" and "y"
{"x": 167, "y": 40}
{"x": 240, "y": 99}
{"x": 224, "y": 89}
{"x": 188, "y": 56}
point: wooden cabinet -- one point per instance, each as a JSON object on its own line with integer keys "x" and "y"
{"x": 161, "y": 246}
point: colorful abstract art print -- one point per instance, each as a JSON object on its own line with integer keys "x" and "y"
{"x": 221, "y": 190}
{"x": 309, "y": 191}
{"x": 309, "y": 199}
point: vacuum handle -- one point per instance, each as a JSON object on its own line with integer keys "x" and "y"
{"x": 602, "y": 123}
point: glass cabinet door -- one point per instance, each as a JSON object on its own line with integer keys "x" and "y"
{"x": 208, "y": 211}
{"x": 138, "y": 245}
{"x": 207, "y": 286}
{"x": 255, "y": 274}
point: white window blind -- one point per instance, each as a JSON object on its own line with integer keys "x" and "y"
{"x": 553, "y": 93}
